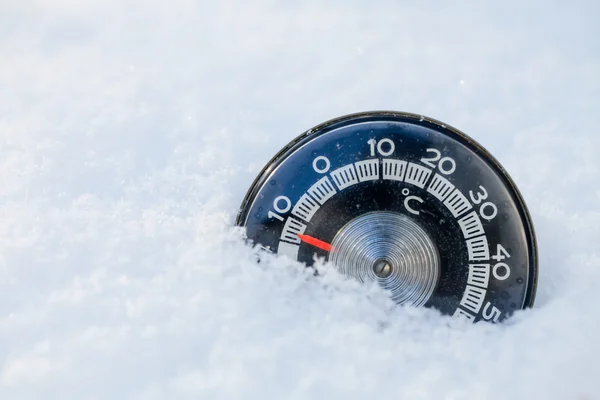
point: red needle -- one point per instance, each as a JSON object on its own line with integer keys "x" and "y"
{"x": 315, "y": 242}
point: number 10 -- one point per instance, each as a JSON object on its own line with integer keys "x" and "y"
{"x": 385, "y": 147}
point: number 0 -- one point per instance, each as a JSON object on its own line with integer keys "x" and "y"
{"x": 286, "y": 201}
{"x": 324, "y": 168}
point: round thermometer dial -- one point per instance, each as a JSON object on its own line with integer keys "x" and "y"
{"x": 404, "y": 201}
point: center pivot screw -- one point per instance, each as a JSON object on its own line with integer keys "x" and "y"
{"x": 382, "y": 269}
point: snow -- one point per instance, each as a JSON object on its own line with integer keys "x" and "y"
{"x": 131, "y": 130}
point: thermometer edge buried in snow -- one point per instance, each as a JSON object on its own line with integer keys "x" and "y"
{"x": 403, "y": 200}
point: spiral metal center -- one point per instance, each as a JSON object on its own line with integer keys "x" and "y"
{"x": 391, "y": 249}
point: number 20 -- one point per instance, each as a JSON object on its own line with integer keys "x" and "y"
{"x": 446, "y": 165}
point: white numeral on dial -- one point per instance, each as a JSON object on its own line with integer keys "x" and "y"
{"x": 501, "y": 271}
{"x": 501, "y": 253}
{"x": 385, "y": 147}
{"x": 321, "y": 164}
{"x": 493, "y": 315}
{"x": 488, "y": 210}
{"x": 281, "y": 204}
{"x": 446, "y": 165}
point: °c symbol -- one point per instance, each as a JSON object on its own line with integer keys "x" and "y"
{"x": 407, "y": 204}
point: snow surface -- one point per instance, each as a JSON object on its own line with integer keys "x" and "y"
{"x": 131, "y": 130}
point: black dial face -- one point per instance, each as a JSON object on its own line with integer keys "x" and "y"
{"x": 405, "y": 201}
